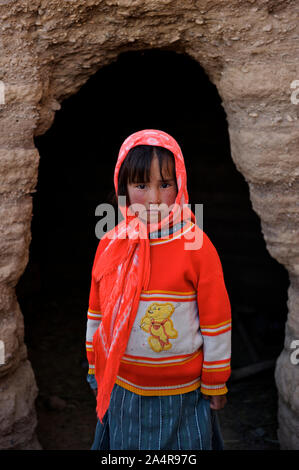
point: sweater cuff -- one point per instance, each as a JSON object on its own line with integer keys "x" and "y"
{"x": 92, "y": 381}
{"x": 219, "y": 389}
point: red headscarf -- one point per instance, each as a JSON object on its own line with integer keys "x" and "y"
{"x": 124, "y": 268}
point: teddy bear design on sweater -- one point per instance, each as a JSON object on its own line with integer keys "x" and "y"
{"x": 158, "y": 324}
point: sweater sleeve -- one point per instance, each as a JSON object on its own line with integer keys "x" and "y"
{"x": 94, "y": 314}
{"x": 215, "y": 322}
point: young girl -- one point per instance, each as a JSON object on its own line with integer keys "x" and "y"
{"x": 159, "y": 321}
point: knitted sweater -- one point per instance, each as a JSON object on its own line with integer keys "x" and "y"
{"x": 181, "y": 337}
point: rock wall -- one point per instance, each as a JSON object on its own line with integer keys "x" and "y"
{"x": 249, "y": 50}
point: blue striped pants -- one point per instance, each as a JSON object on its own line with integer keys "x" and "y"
{"x": 175, "y": 422}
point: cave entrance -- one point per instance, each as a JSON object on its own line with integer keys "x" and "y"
{"x": 143, "y": 89}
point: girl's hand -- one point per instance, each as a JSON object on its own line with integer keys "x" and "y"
{"x": 217, "y": 402}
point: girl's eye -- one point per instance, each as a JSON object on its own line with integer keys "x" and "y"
{"x": 162, "y": 184}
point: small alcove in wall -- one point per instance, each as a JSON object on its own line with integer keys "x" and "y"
{"x": 143, "y": 89}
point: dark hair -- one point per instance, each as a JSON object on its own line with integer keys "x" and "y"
{"x": 136, "y": 167}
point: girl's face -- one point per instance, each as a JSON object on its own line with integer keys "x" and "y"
{"x": 154, "y": 193}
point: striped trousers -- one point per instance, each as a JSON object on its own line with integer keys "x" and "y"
{"x": 175, "y": 422}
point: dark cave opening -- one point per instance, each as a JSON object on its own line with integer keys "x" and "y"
{"x": 143, "y": 89}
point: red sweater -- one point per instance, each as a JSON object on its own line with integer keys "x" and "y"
{"x": 181, "y": 337}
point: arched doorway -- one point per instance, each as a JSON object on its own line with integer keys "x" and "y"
{"x": 147, "y": 89}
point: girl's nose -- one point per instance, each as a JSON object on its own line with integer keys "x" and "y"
{"x": 154, "y": 196}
